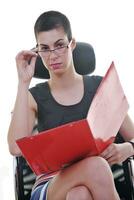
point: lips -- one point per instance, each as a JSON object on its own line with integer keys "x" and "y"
{"x": 55, "y": 65}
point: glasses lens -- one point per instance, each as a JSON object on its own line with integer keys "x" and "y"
{"x": 44, "y": 53}
{"x": 60, "y": 50}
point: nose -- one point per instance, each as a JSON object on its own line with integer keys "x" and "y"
{"x": 53, "y": 54}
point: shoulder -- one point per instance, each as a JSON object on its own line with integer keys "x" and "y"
{"x": 39, "y": 89}
{"x": 35, "y": 93}
{"x": 94, "y": 78}
{"x": 93, "y": 81}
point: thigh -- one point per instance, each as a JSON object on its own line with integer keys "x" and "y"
{"x": 80, "y": 173}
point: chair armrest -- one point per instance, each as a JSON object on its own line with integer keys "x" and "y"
{"x": 128, "y": 166}
{"x": 24, "y": 179}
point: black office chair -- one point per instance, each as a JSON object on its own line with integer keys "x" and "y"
{"x": 84, "y": 61}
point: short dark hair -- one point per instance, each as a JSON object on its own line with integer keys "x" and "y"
{"x": 50, "y": 20}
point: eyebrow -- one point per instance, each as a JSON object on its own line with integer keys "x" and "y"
{"x": 54, "y": 43}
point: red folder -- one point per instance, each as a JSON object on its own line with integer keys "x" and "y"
{"x": 54, "y": 149}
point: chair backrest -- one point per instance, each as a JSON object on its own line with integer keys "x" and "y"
{"x": 84, "y": 61}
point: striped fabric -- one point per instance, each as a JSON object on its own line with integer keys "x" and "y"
{"x": 42, "y": 179}
{"x": 43, "y": 194}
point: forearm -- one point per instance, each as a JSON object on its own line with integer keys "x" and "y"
{"x": 23, "y": 116}
{"x": 127, "y": 129}
{"x": 19, "y": 126}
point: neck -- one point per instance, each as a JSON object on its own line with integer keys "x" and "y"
{"x": 64, "y": 80}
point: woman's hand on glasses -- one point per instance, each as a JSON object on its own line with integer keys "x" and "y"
{"x": 25, "y": 62}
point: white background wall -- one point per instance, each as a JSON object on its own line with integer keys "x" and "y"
{"x": 106, "y": 24}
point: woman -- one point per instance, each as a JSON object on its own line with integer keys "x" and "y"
{"x": 59, "y": 101}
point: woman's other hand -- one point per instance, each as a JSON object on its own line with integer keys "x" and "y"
{"x": 117, "y": 153}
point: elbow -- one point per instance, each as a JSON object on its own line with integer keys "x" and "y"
{"x": 13, "y": 147}
{"x": 14, "y": 150}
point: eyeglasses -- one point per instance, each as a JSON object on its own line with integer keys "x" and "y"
{"x": 58, "y": 51}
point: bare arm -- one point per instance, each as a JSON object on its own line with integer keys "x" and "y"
{"x": 127, "y": 128}
{"x": 24, "y": 113}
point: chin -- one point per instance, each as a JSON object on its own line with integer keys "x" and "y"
{"x": 58, "y": 71}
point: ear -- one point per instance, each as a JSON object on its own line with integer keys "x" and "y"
{"x": 73, "y": 44}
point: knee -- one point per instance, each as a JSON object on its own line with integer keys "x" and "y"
{"x": 78, "y": 193}
{"x": 97, "y": 164}
{"x": 97, "y": 167}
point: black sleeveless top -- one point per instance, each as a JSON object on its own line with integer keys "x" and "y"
{"x": 52, "y": 114}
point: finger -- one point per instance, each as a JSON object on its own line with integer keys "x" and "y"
{"x": 33, "y": 61}
{"x": 106, "y": 152}
{"x": 35, "y": 49}
{"x": 112, "y": 160}
{"x": 28, "y": 57}
{"x": 29, "y": 52}
{"x": 26, "y": 54}
{"x": 107, "y": 156}
{"x": 115, "y": 159}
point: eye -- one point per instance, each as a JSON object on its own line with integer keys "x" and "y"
{"x": 43, "y": 48}
{"x": 59, "y": 45}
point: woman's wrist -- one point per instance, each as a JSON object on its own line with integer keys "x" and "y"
{"x": 23, "y": 84}
{"x": 131, "y": 144}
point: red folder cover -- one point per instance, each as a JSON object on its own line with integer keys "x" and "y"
{"x": 54, "y": 149}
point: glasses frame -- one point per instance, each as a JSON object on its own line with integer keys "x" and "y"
{"x": 49, "y": 51}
